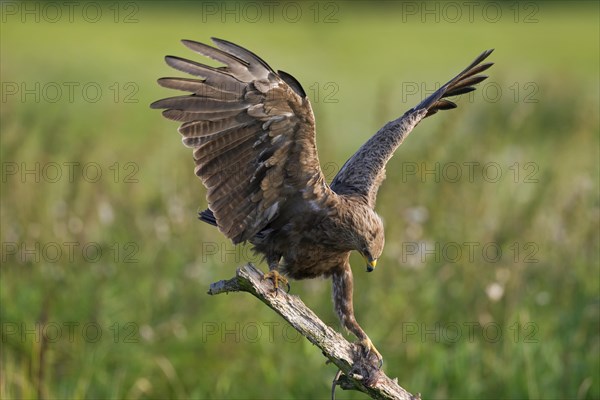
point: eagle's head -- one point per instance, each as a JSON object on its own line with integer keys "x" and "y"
{"x": 370, "y": 239}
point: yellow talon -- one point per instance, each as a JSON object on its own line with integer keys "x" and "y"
{"x": 276, "y": 277}
{"x": 370, "y": 349}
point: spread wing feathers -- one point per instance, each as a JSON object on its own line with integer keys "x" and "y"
{"x": 253, "y": 135}
{"x": 460, "y": 84}
{"x": 365, "y": 170}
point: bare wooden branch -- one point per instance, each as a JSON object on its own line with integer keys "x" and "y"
{"x": 360, "y": 372}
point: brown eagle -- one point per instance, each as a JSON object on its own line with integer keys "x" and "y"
{"x": 253, "y": 134}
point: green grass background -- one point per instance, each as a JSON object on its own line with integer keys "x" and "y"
{"x": 163, "y": 337}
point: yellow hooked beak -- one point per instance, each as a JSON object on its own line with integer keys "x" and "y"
{"x": 371, "y": 264}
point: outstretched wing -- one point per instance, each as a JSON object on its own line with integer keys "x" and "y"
{"x": 253, "y": 134}
{"x": 363, "y": 173}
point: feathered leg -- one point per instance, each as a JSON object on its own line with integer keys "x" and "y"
{"x": 343, "y": 284}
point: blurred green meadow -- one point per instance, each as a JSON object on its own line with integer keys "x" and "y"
{"x": 489, "y": 283}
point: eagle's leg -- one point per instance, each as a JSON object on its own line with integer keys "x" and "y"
{"x": 343, "y": 283}
{"x": 274, "y": 274}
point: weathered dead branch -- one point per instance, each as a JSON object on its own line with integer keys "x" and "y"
{"x": 359, "y": 371}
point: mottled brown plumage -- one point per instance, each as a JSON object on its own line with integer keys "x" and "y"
{"x": 253, "y": 134}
